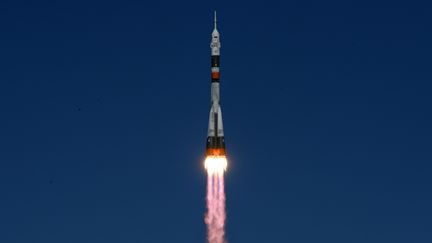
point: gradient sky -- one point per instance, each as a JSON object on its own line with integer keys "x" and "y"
{"x": 327, "y": 115}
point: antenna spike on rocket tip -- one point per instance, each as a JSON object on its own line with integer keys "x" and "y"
{"x": 215, "y": 19}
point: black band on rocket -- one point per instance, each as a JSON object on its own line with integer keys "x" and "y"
{"x": 215, "y": 61}
{"x": 215, "y": 143}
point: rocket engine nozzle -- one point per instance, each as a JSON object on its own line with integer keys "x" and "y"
{"x": 215, "y": 152}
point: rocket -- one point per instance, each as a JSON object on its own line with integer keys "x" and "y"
{"x": 215, "y": 136}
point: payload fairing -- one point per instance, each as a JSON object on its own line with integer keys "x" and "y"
{"x": 215, "y": 135}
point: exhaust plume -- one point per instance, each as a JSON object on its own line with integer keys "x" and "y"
{"x": 216, "y": 215}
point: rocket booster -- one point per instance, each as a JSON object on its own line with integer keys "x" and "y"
{"x": 215, "y": 135}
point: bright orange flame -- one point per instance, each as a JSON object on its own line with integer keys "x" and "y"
{"x": 215, "y": 164}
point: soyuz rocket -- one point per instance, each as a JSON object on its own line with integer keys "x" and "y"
{"x": 215, "y": 136}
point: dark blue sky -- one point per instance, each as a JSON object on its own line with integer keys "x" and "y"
{"x": 327, "y": 114}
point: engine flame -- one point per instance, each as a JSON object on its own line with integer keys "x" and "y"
{"x": 216, "y": 215}
{"x": 215, "y": 164}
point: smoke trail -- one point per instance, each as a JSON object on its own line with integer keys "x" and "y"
{"x": 216, "y": 215}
